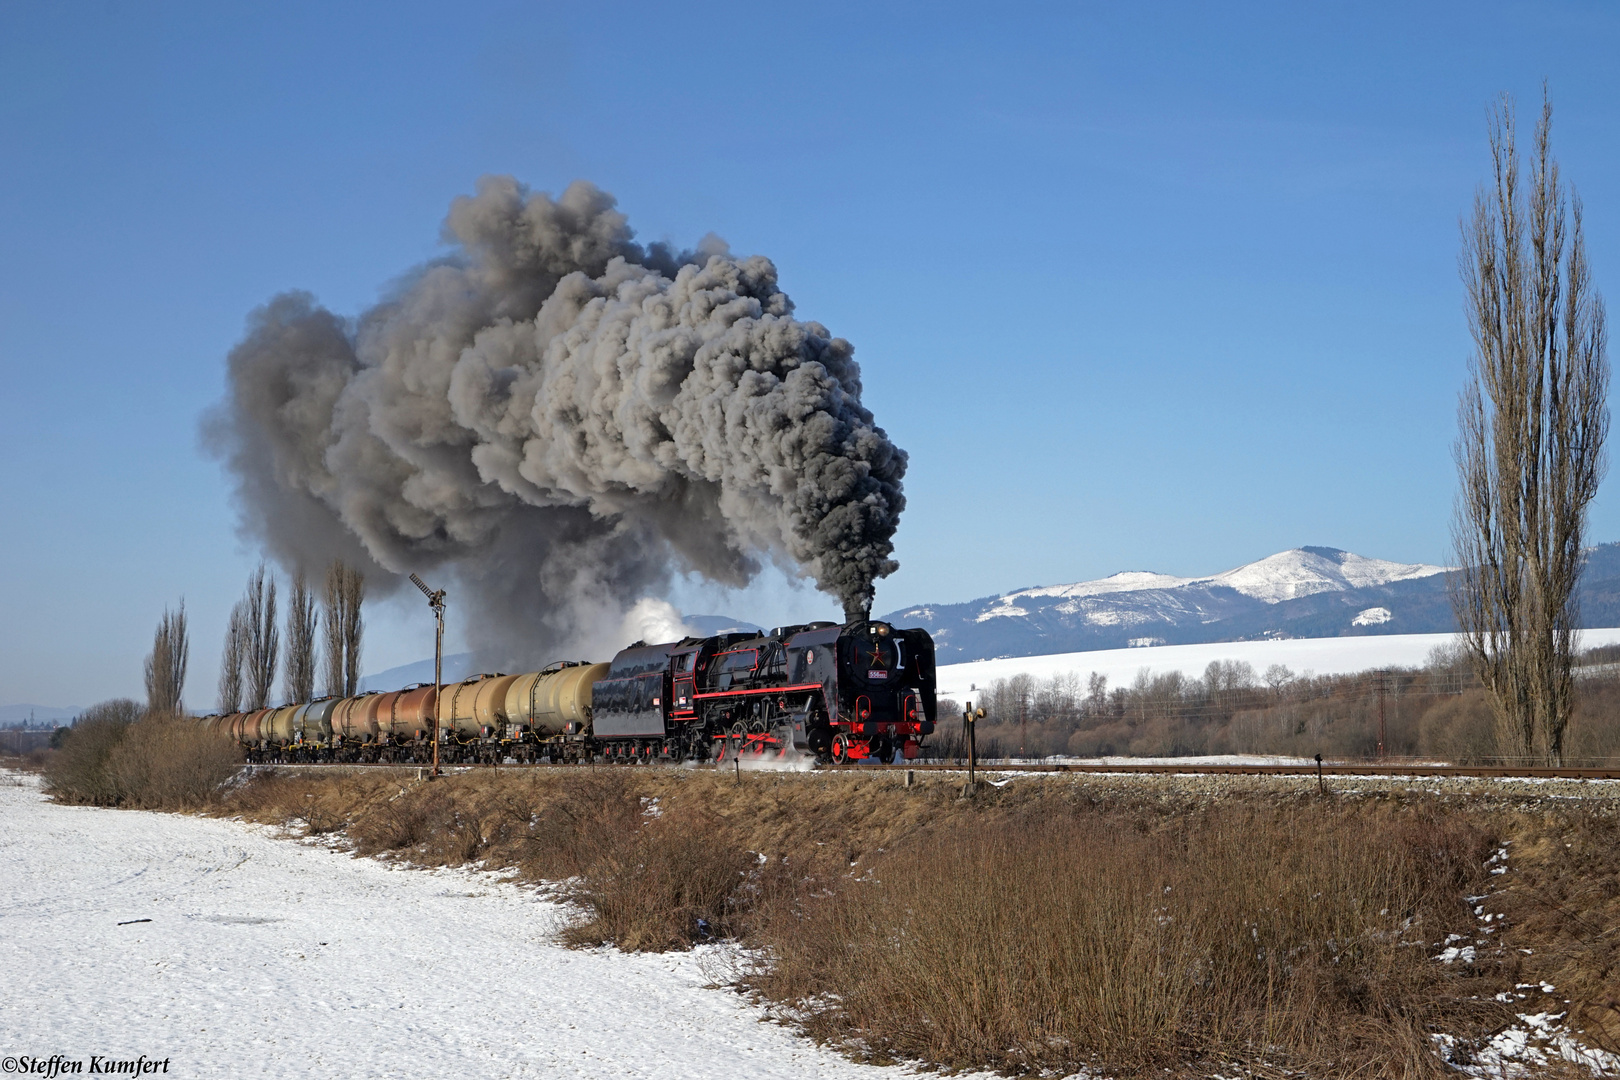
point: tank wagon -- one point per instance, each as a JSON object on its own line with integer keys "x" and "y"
{"x": 838, "y": 693}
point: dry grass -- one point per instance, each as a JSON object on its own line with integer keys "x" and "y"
{"x": 1248, "y": 934}
{"x": 644, "y": 879}
{"x": 1561, "y": 902}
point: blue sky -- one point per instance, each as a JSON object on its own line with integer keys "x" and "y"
{"x": 1162, "y": 287}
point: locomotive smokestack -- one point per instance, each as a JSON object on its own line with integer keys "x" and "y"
{"x": 562, "y": 415}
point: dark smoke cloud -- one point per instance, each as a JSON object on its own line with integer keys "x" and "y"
{"x": 565, "y": 418}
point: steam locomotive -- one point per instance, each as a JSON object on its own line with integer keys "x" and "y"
{"x": 837, "y": 693}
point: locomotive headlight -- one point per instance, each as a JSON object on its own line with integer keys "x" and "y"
{"x": 883, "y": 631}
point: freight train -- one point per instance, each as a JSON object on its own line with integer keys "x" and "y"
{"x": 835, "y": 693}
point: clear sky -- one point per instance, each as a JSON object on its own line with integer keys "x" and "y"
{"x": 1147, "y": 286}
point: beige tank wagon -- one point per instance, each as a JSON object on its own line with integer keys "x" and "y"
{"x": 556, "y": 701}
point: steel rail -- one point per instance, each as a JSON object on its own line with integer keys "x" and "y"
{"x": 1328, "y": 769}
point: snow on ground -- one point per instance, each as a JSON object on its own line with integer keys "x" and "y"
{"x": 1524, "y": 1050}
{"x": 1322, "y": 656}
{"x": 268, "y": 957}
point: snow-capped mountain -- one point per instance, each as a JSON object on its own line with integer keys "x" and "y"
{"x": 1306, "y": 592}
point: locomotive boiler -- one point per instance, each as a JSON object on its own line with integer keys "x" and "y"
{"x": 835, "y": 693}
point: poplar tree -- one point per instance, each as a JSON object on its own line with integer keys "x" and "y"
{"x": 1532, "y": 422}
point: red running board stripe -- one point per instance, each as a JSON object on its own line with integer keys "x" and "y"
{"x": 766, "y": 690}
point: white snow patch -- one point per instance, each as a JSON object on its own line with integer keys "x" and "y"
{"x": 1373, "y": 616}
{"x": 1525, "y": 1049}
{"x": 1291, "y": 574}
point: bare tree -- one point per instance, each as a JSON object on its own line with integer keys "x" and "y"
{"x": 345, "y": 591}
{"x": 263, "y": 643}
{"x": 301, "y": 624}
{"x": 166, "y": 666}
{"x": 230, "y": 662}
{"x": 332, "y": 607}
{"x": 1532, "y": 422}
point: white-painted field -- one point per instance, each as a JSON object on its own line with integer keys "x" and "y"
{"x": 1321, "y": 656}
{"x": 267, "y": 957}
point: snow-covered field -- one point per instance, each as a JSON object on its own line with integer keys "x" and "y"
{"x": 268, "y": 957}
{"x": 1322, "y": 656}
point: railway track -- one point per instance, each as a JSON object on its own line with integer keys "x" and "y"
{"x": 1326, "y": 769}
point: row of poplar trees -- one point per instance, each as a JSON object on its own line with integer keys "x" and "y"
{"x": 253, "y": 640}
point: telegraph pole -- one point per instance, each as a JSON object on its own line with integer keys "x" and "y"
{"x": 1023, "y": 727}
{"x": 436, "y": 602}
{"x": 1381, "y": 687}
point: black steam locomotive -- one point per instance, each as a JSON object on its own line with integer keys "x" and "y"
{"x": 840, "y": 693}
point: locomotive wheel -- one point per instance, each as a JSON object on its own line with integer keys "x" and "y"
{"x": 731, "y": 744}
{"x": 840, "y": 749}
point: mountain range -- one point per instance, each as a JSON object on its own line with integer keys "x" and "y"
{"x": 1305, "y": 592}
{"x": 1308, "y": 592}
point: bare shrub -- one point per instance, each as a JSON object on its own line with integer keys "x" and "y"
{"x": 411, "y": 821}
{"x": 1247, "y": 935}
{"x": 672, "y": 881}
{"x": 170, "y": 763}
{"x": 79, "y": 773}
{"x": 1460, "y": 729}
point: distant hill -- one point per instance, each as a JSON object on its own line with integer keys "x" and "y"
{"x": 457, "y": 666}
{"x": 1307, "y": 592}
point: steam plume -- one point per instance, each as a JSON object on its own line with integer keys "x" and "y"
{"x": 564, "y": 417}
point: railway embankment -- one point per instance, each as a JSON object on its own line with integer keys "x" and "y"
{"x": 1351, "y": 925}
